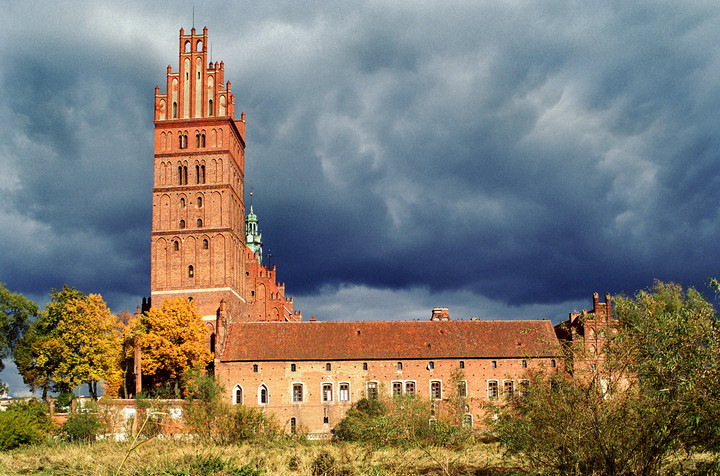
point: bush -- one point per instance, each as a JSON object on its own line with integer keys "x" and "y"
{"x": 24, "y": 423}
{"x": 404, "y": 421}
{"x": 81, "y": 427}
{"x": 211, "y": 418}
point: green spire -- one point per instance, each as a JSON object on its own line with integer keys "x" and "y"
{"x": 253, "y": 239}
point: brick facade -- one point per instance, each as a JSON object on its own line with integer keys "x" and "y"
{"x": 306, "y": 373}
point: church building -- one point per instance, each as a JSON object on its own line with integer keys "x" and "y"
{"x": 306, "y": 373}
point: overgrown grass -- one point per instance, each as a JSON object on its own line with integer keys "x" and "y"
{"x": 170, "y": 457}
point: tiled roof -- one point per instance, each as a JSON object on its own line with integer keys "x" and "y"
{"x": 341, "y": 340}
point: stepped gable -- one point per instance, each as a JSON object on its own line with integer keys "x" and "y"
{"x": 397, "y": 340}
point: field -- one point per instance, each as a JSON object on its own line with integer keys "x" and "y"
{"x": 164, "y": 457}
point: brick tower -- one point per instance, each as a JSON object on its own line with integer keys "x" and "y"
{"x": 198, "y": 211}
{"x": 198, "y": 248}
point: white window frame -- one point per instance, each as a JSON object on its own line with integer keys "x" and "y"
{"x": 376, "y": 387}
{"x": 234, "y": 393}
{"x": 431, "y": 390}
{"x": 465, "y": 387}
{"x": 414, "y": 392}
{"x": 259, "y": 394}
{"x": 392, "y": 390}
{"x": 292, "y": 392}
{"x": 497, "y": 389}
{"x": 340, "y": 392}
{"x": 323, "y": 392}
{"x": 512, "y": 382}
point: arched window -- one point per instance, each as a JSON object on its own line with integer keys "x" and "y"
{"x": 202, "y": 140}
{"x": 210, "y": 107}
{"x": 197, "y": 141}
{"x": 182, "y": 224}
{"x": 176, "y": 245}
{"x": 191, "y": 271}
{"x": 180, "y": 174}
{"x": 202, "y": 174}
{"x": 187, "y": 47}
{"x": 199, "y": 223}
{"x": 197, "y": 174}
{"x": 399, "y": 365}
{"x": 182, "y": 202}
{"x": 199, "y": 46}
{"x": 184, "y": 174}
{"x": 199, "y": 202}
{"x": 174, "y": 111}
{"x": 205, "y": 244}
{"x": 263, "y": 397}
{"x": 237, "y": 395}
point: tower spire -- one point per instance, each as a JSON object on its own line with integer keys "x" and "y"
{"x": 253, "y": 238}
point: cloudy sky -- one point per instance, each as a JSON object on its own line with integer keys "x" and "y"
{"x": 503, "y": 159}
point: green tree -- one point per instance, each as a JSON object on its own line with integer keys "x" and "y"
{"x": 173, "y": 341}
{"x": 15, "y": 314}
{"x": 652, "y": 397}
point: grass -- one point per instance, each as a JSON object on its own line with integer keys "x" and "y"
{"x": 297, "y": 458}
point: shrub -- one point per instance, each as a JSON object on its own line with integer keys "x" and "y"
{"x": 24, "y": 423}
{"x": 324, "y": 464}
{"x": 81, "y": 427}
{"x": 211, "y": 418}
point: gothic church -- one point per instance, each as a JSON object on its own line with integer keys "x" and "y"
{"x": 306, "y": 373}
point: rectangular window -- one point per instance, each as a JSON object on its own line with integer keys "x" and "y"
{"x": 462, "y": 364}
{"x": 436, "y": 390}
{"x": 509, "y": 388}
{"x": 345, "y": 392}
{"x": 493, "y": 364}
{"x": 364, "y": 365}
{"x": 297, "y": 392}
{"x": 409, "y": 388}
{"x": 292, "y": 367}
{"x": 524, "y": 364}
{"x": 492, "y": 389}
{"x": 327, "y": 392}
{"x": 328, "y": 367}
{"x": 372, "y": 390}
{"x": 396, "y": 389}
{"x": 462, "y": 389}
{"x": 255, "y": 368}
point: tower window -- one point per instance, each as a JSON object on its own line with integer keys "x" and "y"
{"x": 199, "y": 202}
{"x": 199, "y": 46}
{"x": 174, "y": 110}
{"x": 210, "y": 107}
{"x": 191, "y": 271}
{"x": 182, "y": 224}
{"x": 202, "y": 140}
{"x": 199, "y": 223}
{"x": 202, "y": 167}
{"x": 182, "y": 202}
{"x": 176, "y": 245}
{"x": 197, "y": 140}
{"x": 187, "y": 47}
{"x": 205, "y": 244}
{"x": 197, "y": 174}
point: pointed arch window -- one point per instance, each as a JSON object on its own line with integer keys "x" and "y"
{"x": 237, "y": 395}
{"x": 187, "y": 46}
{"x": 210, "y": 107}
{"x": 263, "y": 396}
{"x": 197, "y": 141}
{"x": 197, "y": 174}
{"x": 202, "y": 140}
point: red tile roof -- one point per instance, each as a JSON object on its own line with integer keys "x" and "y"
{"x": 370, "y": 340}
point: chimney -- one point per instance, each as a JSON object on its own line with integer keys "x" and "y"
{"x": 440, "y": 314}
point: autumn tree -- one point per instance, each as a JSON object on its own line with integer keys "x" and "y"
{"x": 15, "y": 314}
{"x": 41, "y": 338}
{"x": 89, "y": 345}
{"x": 173, "y": 341}
{"x": 73, "y": 341}
{"x": 651, "y": 399}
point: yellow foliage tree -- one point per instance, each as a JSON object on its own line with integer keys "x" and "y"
{"x": 173, "y": 341}
{"x": 87, "y": 344}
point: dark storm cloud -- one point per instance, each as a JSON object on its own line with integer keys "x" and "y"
{"x": 492, "y": 155}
